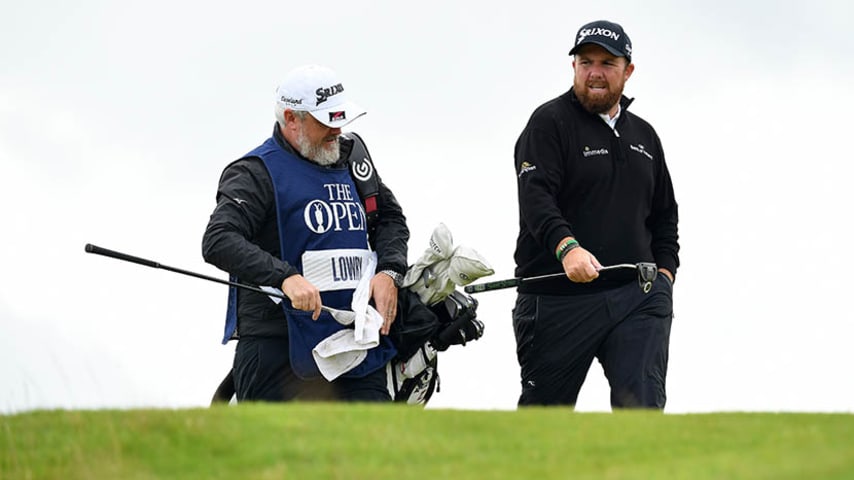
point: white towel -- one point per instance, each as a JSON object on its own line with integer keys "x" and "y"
{"x": 343, "y": 350}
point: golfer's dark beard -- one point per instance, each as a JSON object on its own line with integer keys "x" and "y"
{"x": 598, "y": 104}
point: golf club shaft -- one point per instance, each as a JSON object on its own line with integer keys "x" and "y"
{"x": 508, "y": 283}
{"x": 497, "y": 285}
{"x": 149, "y": 263}
{"x": 515, "y": 282}
{"x": 619, "y": 265}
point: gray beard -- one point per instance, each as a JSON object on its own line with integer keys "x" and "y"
{"x": 317, "y": 153}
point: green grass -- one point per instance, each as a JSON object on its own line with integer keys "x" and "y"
{"x": 350, "y": 441}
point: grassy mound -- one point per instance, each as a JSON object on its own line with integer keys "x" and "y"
{"x": 350, "y": 441}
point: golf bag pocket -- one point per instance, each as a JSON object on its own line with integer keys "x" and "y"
{"x": 415, "y": 324}
{"x": 420, "y": 332}
{"x": 414, "y": 381}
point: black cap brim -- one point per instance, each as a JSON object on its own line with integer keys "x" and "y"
{"x": 610, "y": 49}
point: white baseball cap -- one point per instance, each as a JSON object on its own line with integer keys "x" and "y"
{"x": 317, "y": 90}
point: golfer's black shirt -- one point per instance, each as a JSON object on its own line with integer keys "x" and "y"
{"x": 609, "y": 188}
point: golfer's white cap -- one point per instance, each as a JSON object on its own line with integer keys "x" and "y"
{"x": 317, "y": 90}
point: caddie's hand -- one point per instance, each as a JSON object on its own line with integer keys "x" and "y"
{"x": 384, "y": 294}
{"x": 303, "y": 294}
{"x": 581, "y": 266}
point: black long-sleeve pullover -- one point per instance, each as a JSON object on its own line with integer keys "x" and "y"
{"x": 608, "y": 188}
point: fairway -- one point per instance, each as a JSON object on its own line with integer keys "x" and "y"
{"x": 395, "y": 441}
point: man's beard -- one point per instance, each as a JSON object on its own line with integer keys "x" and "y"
{"x": 323, "y": 153}
{"x": 598, "y": 103}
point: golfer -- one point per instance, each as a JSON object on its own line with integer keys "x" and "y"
{"x": 593, "y": 190}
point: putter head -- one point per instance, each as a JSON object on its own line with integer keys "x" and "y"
{"x": 647, "y": 272}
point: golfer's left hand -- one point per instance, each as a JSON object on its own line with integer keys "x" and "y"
{"x": 384, "y": 294}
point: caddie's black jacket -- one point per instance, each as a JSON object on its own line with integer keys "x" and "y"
{"x": 610, "y": 189}
{"x": 242, "y": 238}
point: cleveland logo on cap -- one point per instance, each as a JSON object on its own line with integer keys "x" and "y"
{"x": 292, "y": 101}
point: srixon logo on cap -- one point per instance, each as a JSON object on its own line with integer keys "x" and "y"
{"x": 324, "y": 93}
{"x": 604, "y": 32}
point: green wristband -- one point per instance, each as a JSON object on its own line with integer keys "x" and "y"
{"x": 565, "y": 247}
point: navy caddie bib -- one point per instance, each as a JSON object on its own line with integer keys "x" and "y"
{"x": 323, "y": 234}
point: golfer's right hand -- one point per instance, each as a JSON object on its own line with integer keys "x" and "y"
{"x": 303, "y": 294}
{"x": 581, "y": 266}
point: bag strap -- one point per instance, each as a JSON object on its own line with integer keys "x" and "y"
{"x": 365, "y": 177}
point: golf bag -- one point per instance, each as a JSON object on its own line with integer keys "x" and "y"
{"x": 433, "y": 315}
{"x": 419, "y": 333}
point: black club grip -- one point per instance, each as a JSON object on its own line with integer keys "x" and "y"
{"x": 485, "y": 287}
{"x": 121, "y": 256}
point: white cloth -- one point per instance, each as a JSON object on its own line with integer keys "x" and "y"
{"x": 443, "y": 267}
{"x": 345, "y": 349}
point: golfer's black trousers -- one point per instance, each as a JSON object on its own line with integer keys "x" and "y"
{"x": 627, "y": 330}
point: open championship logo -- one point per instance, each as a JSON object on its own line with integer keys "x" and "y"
{"x": 318, "y": 216}
{"x": 339, "y": 211}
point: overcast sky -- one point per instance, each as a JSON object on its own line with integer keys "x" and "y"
{"x": 116, "y": 119}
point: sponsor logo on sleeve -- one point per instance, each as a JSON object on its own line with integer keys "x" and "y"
{"x": 525, "y": 168}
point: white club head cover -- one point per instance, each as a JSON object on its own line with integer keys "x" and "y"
{"x": 467, "y": 266}
{"x": 442, "y": 267}
{"x": 441, "y": 248}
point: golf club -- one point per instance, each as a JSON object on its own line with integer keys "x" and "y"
{"x": 342, "y": 316}
{"x": 647, "y": 272}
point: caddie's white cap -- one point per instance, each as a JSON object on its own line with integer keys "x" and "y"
{"x": 317, "y": 90}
